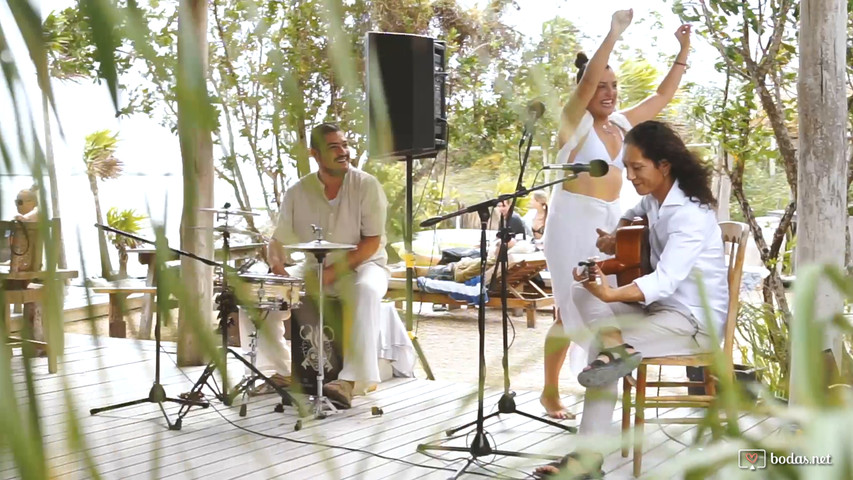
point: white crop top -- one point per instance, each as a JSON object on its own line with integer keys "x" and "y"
{"x": 592, "y": 148}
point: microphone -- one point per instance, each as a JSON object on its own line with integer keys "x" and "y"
{"x": 535, "y": 110}
{"x": 595, "y": 168}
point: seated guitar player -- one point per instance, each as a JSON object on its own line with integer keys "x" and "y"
{"x": 660, "y": 313}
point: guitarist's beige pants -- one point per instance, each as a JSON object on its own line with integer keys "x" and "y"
{"x": 655, "y": 331}
{"x": 570, "y": 238}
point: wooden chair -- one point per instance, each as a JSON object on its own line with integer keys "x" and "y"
{"x": 735, "y": 235}
{"x": 25, "y": 286}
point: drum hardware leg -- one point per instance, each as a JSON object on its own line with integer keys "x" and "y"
{"x": 322, "y": 405}
{"x": 247, "y": 383}
{"x": 227, "y": 399}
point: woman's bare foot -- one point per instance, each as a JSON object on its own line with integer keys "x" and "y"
{"x": 541, "y": 472}
{"x": 574, "y": 465}
{"x": 554, "y": 407}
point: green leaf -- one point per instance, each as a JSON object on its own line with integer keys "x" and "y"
{"x": 103, "y": 21}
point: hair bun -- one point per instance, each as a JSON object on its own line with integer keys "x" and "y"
{"x": 581, "y": 60}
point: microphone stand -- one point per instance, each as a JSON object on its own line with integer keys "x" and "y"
{"x": 157, "y": 394}
{"x": 506, "y": 404}
{"x": 227, "y": 304}
{"x": 480, "y": 444}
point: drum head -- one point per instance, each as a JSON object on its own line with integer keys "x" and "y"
{"x": 268, "y": 278}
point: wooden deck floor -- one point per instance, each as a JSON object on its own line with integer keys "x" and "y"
{"x": 134, "y": 443}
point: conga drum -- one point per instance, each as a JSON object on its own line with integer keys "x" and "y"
{"x": 306, "y": 340}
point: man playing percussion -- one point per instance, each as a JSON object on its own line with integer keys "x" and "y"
{"x": 350, "y": 207}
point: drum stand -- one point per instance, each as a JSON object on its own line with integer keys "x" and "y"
{"x": 247, "y": 383}
{"x": 227, "y": 305}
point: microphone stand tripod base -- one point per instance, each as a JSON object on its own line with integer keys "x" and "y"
{"x": 506, "y": 404}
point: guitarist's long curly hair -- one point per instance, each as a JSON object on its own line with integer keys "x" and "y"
{"x": 658, "y": 142}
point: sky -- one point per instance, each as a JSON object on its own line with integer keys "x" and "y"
{"x": 593, "y": 21}
{"x": 151, "y": 153}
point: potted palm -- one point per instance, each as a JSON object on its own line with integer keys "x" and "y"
{"x": 128, "y": 221}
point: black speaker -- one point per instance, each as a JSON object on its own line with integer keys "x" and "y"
{"x": 406, "y": 95}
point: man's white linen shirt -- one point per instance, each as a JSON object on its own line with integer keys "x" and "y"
{"x": 684, "y": 239}
{"x": 359, "y": 210}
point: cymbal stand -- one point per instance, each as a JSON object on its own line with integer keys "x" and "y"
{"x": 322, "y": 405}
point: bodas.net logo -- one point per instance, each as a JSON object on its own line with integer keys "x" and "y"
{"x": 752, "y": 459}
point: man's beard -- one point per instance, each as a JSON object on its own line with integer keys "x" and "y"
{"x": 335, "y": 172}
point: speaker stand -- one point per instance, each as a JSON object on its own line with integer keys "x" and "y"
{"x": 410, "y": 267}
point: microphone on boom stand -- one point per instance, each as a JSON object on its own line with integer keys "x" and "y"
{"x": 535, "y": 110}
{"x": 595, "y": 168}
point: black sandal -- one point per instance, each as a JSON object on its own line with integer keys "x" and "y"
{"x": 562, "y": 464}
{"x": 602, "y": 373}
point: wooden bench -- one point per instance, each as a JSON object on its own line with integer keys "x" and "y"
{"x": 118, "y": 292}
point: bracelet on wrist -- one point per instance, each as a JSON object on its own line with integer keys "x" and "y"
{"x": 681, "y": 63}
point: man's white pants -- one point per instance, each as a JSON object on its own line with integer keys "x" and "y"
{"x": 361, "y": 341}
{"x": 654, "y": 331}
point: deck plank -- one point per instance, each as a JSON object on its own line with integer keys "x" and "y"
{"x": 134, "y": 443}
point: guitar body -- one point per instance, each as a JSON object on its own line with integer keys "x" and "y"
{"x": 632, "y": 254}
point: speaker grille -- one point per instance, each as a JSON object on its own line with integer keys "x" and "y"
{"x": 406, "y": 95}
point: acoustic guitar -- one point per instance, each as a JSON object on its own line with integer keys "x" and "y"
{"x": 632, "y": 258}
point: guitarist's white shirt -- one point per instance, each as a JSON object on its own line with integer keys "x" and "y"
{"x": 686, "y": 244}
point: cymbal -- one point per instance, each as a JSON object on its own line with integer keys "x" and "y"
{"x": 229, "y": 212}
{"x": 228, "y": 229}
{"x": 319, "y": 246}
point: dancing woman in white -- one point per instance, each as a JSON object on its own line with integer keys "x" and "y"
{"x": 591, "y": 129}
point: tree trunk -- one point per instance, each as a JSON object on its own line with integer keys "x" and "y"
{"x": 303, "y": 167}
{"x": 821, "y": 204}
{"x": 722, "y": 185}
{"x": 194, "y": 133}
{"x": 122, "y": 263}
{"x": 106, "y": 265}
{"x": 51, "y": 175}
